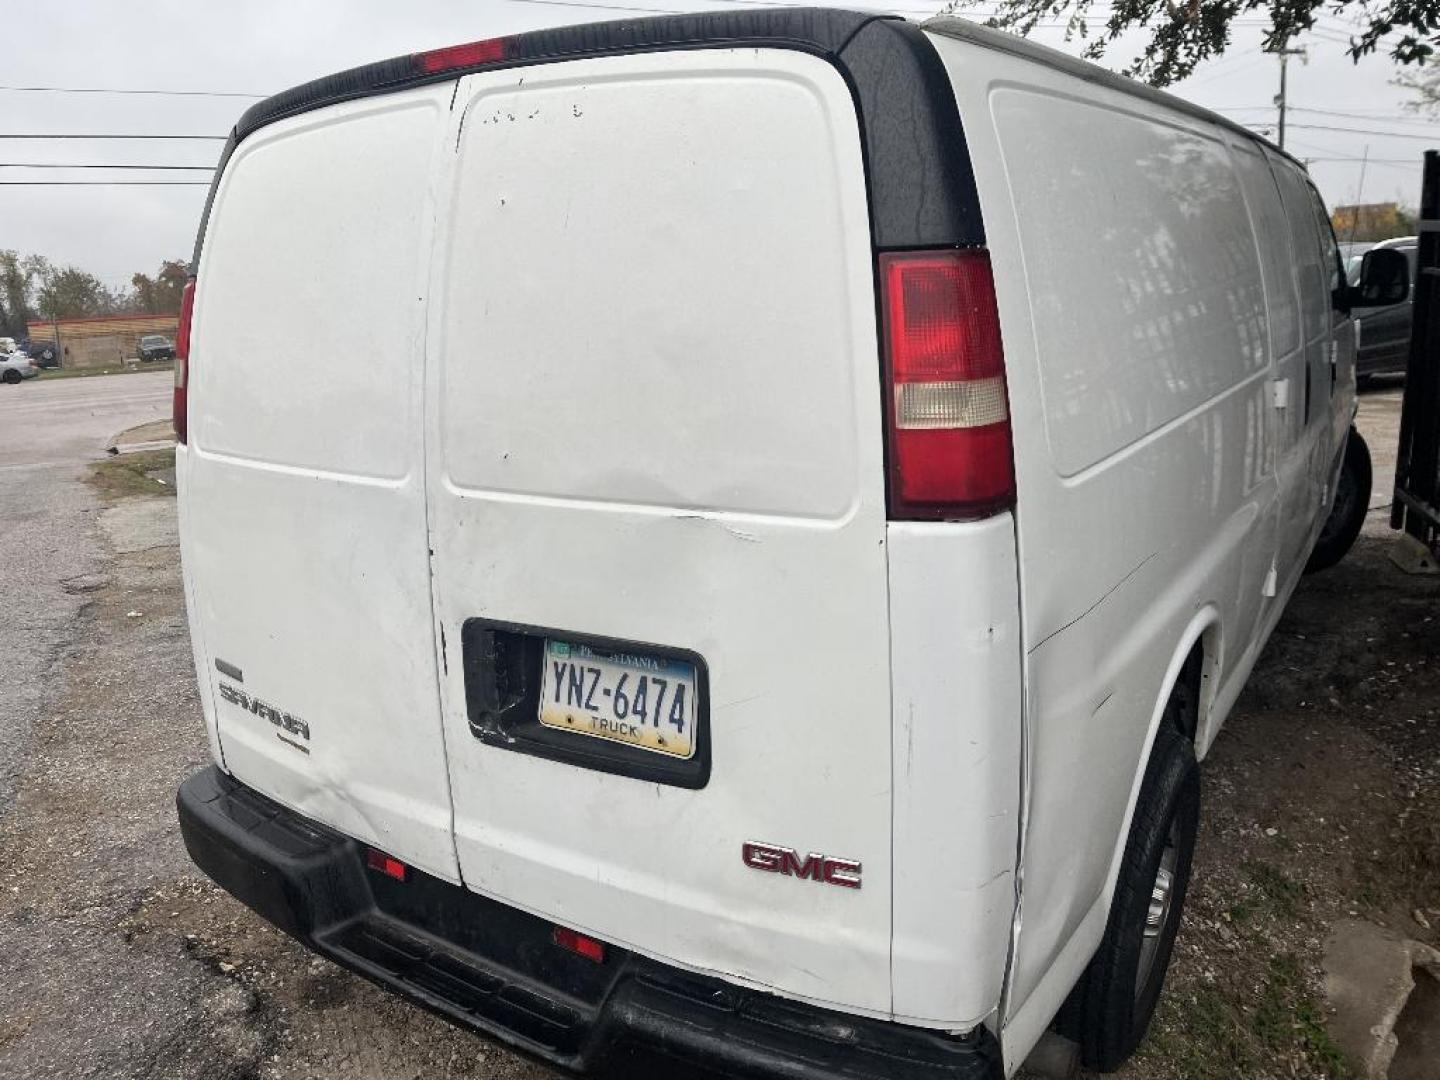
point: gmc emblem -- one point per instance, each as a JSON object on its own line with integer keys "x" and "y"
{"x": 774, "y": 859}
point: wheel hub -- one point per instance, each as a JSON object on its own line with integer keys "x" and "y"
{"x": 1157, "y": 915}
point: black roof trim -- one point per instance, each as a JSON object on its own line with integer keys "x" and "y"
{"x": 922, "y": 190}
{"x": 819, "y": 30}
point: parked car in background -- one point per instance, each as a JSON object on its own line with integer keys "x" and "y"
{"x": 156, "y": 347}
{"x": 1384, "y": 331}
{"x": 16, "y": 366}
{"x": 44, "y": 353}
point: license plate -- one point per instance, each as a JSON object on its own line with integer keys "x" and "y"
{"x": 632, "y": 698}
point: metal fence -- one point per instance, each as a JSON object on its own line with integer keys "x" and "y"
{"x": 1417, "y": 469}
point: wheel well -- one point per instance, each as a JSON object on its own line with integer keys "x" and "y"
{"x": 1187, "y": 698}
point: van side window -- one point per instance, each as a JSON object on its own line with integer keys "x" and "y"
{"x": 1267, "y": 215}
{"x": 1310, "y": 270}
{"x": 1329, "y": 249}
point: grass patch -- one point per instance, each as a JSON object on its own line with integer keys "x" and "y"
{"x": 130, "y": 474}
{"x": 1288, "y": 1020}
{"x": 1199, "y": 1036}
{"x": 118, "y": 369}
{"x": 1281, "y": 895}
{"x": 1207, "y": 1033}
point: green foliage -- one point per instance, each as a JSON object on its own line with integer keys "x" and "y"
{"x": 73, "y": 293}
{"x": 1281, "y": 895}
{"x": 31, "y": 287}
{"x": 1288, "y": 1018}
{"x": 133, "y": 474}
{"x": 1217, "y": 1033}
{"x": 1185, "y": 32}
{"x": 160, "y": 295}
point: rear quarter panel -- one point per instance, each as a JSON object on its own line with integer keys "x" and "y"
{"x": 1132, "y": 312}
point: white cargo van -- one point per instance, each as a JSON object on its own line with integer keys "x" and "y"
{"x": 836, "y": 477}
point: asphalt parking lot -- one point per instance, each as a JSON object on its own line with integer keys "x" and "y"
{"x": 121, "y": 960}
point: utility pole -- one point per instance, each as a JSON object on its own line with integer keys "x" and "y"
{"x": 1284, "y": 54}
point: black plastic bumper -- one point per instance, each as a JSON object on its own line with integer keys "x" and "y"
{"x": 497, "y": 970}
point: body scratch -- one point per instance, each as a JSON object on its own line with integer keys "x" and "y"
{"x": 1103, "y": 597}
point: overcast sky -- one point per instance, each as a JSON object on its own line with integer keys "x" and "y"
{"x": 260, "y": 46}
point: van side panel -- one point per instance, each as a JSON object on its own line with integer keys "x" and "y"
{"x": 655, "y": 418}
{"x": 956, "y": 699}
{"x": 303, "y": 485}
{"x": 1133, "y": 315}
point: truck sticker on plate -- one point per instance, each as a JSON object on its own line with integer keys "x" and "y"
{"x": 283, "y": 721}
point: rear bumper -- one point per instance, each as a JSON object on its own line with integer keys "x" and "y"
{"x": 491, "y": 968}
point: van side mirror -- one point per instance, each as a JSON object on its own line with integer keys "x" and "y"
{"x": 1384, "y": 279}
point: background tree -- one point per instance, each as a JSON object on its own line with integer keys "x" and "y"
{"x": 1185, "y": 32}
{"x": 71, "y": 293}
{"x": 19, "y": 279}
{"x": 1424, "y": 87}
{"x": 160, "y": 295}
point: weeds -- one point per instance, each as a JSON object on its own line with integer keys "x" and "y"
{"x": 130, "y": 474}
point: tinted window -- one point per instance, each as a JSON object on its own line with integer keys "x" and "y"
{"x": 1271, "y": 232}
{"x": 1310, "y": 270}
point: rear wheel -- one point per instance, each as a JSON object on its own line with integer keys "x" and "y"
{"x": 1347, "y": 513}
{"x": 12, "y": 376}
{"x": 1117, "y": 995}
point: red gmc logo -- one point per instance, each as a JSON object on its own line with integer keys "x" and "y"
{"x": 774, "y": 859}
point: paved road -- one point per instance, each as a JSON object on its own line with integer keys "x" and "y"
{"x": 64, "y": 421}
{"x": 118, "y": 960}
{"x": 49, "y": 430}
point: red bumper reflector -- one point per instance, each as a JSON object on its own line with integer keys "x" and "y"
{"x": 385, "y": 864}
{"x": 577, "y": 942}
{"x": 462, "y": 56}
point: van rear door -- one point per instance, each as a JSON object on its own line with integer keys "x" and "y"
{"x": 655, "y": 451}
{"x": 304, "y": 529}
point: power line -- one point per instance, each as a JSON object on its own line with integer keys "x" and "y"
{"x": 89, "y": 165}
{"x": 1383, "y": 118}
{"x": 1362, "y": 131}
{"x": 104, "y": 183}
{"x": 601, "y": 7}
{"x": 216, "y": 138}
{"x": 119, "y": 90}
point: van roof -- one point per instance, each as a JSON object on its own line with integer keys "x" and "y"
{"x": 990, "y": 38}
{"x": 908, "y": 116}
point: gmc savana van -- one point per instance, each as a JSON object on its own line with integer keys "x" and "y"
{"x": 838, "y": 477}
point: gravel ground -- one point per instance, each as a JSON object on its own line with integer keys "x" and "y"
{"x": 121, "y": 960}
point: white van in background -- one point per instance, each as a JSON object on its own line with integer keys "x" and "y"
{"x": 839, "y": 475}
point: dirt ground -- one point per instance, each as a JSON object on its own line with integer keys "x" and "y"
{"x": 1321, "y": 800}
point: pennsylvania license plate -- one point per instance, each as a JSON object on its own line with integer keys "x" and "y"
{"x": 633, "y": 698}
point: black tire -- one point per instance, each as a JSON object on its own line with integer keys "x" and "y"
{"x": 1347, "y": 513}
{"x": 1116, "y": 997}
{"x": 12, "y": 376}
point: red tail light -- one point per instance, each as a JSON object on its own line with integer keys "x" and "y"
{"x": 180, "y": 411}
{"x": 948, "y": 421}
{"x": 462, "y": 56}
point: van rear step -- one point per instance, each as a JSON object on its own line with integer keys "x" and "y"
{"x": 497, "y": 970}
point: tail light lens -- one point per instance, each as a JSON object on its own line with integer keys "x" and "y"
{"x": 180, "y": 410}
{"x": 948, "y": 422}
